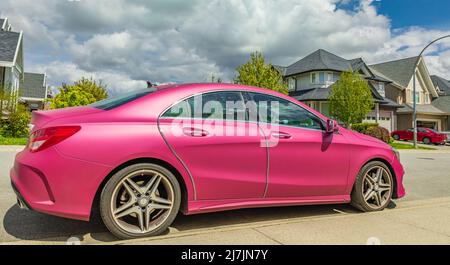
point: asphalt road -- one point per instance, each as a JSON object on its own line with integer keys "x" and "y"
{"x": 427, "y": 182}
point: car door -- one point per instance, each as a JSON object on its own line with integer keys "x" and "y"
{"x": 422, "y": 133}
{"x": 210, "y": 134}
{"x": 408, "y": 134}
{"x": 304, "y": 160}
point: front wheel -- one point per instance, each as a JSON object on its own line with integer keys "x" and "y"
{"x": 396, "y": 137}
{"x": 373, "y": 187}
{"x": 426, "y": 140}
{"x": 139, "y": 201}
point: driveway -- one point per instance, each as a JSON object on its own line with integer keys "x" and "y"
{"x": 421, "y": 217}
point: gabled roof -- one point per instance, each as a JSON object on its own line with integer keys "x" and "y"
{"x": 399, "y": 71}
{"x": 442, "y": 83}
{"x": 318, "y": 60}
{"x": 33, "y": 86}
{"x": 9, "y": 42}
{"x": 442, "y": 103}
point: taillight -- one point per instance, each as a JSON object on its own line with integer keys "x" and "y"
{"x": 47, "y": 137}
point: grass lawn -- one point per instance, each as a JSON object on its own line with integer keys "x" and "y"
{"x": 410, "y": 146}
{"x": 12, "y": 141}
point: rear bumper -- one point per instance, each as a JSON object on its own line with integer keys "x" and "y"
{"x": 20, "y": 200}
{"x": 51, "y": 183}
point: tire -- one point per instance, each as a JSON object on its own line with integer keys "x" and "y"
{"x": 396, "y": 137}
{"x": 426, "y": 140}
{"x": 120, "y": 196}
{"x": 362, "y": 186}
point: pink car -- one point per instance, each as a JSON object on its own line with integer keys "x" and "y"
{"x": 142, "y": 157}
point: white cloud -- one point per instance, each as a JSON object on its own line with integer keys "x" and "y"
{"x": 128, "y": 42}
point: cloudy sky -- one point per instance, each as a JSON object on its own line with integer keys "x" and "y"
{"x": 125, "y": 42}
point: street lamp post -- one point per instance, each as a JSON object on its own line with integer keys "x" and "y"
{"x": 414, "y": 88}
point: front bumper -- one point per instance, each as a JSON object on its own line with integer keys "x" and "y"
{"x": 51, "y": 183}
{"x": 399, "y": 174}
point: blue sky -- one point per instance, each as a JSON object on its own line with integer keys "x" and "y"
{"x": 126, "y": 42}
{"x": 432, "y": 14}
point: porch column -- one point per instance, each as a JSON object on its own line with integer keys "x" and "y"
{"x": 377, "y": 112}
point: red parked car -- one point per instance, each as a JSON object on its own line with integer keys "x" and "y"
{"x": 425, "y": 135}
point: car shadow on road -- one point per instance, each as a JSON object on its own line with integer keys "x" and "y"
{"x": 34, "y": 226}
{"x": 30, "y": 225}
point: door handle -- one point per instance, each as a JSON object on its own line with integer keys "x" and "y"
{"x": 195, "y": 132}
{"x": 281, "y": 135}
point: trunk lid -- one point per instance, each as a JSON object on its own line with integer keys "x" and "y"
{"x": 40, "y": 118}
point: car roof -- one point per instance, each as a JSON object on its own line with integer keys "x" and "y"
{"x": 205, "y": 87}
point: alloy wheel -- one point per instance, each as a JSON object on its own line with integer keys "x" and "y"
{"x": 142, "y": 201}
{"x": 377, "y": 187}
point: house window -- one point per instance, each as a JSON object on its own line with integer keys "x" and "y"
{"x": 427, "y": 98}
{"x": 417, "y": 97}
{"x": 329, "y": 77}
{"x": 318, "y": 78}
{"x": 291, "y": 84}
{"x": 380, "y": 89}
{"x": 313, "y": 78}
{"x": 321, "y": 77}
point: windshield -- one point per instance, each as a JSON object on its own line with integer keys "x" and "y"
{"x": 121, "y": 99}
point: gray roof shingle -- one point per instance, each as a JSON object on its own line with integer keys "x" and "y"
{"x": 399, "y": 71}
{"x": 318, "y": 60}
{"x": 323, "y": 93}
{"x": 33, "y": 86}
{"x": 442, "y": 103}
{"x": 422, "y": 108}
{"x": 443, "y": 84}
{"x": 8, "y": 45}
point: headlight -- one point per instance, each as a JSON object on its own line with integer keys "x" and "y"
{"x": 397, "y": 154}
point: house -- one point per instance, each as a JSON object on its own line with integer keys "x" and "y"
{"x": 400, "y": 90}
{"x": 443, "y": 101}
{"x": 310, "y": 80}
{"x": 27, "y": 88}
{"x": 11, "y": 58}
{"x": 33, "y": 91}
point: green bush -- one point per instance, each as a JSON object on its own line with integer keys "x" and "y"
{"x": 363, "y": 127}
{"x": 17, "y": 123}
{"x": 379, "y": 133}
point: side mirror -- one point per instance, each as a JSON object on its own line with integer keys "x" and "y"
{"x": 332, "y": 126}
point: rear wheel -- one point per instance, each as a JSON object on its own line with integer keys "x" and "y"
{"x": 140, "y": 200}
{"x": 426, "y": 140}
{"x": 396, "y": 137}
{"x": 373, "y": 187}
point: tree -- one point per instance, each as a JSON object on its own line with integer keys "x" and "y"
{"x": 256, "y": 72}
{"x": 71, "y": 96}
{"x": 97, "y": 89}
{"x": 350, "y": 98}
{"x": 82, "y": 92}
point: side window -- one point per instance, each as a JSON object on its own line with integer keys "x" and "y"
{"x": 180, "y": 110}
{"x": 226, "y": 105}
{"x": 283, "y": 112}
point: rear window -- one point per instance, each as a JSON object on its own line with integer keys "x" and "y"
{"x": 121, "y": 99}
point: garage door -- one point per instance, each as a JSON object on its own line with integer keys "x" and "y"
{"x": 385, "y": 120}
{"x": 428, "y": 124}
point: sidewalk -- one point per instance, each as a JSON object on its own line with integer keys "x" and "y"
{"x": 415, "y": 222}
